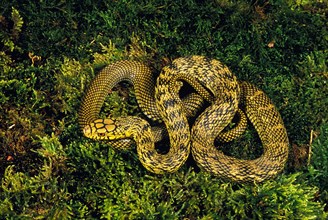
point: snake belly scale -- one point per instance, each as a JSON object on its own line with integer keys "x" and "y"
{"x": 160, "y": 101}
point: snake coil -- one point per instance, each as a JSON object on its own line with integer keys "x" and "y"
{"x": 160, "y": 101}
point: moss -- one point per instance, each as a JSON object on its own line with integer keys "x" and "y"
{"x": 42, "y": 194}
{"x": 50, "y": 51}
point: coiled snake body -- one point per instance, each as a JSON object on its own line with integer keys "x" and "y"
{"x": 212, "y": 81}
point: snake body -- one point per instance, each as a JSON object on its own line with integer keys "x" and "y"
{"x": 131, "y": 71}
{"x": 270, "y": 128}
{"x": 214, "y": 82}
{"x": 170, "y": 111}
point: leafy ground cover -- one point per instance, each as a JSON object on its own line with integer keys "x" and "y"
{"x": 49, "y": 52}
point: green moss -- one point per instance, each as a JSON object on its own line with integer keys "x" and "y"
{"x": 49, "y": 53}
{"x": 39, "y": 195}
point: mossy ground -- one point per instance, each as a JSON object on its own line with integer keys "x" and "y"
{"x": 49, "y": 52}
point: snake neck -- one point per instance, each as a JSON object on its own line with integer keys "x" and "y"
{"x": 108, "y": 78}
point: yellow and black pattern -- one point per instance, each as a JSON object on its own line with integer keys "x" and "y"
{"x": 160, "y": 101}
{"x": 164, "y": 105}
{"x": 268, "y": 123}
{"x": 134, "y": 72}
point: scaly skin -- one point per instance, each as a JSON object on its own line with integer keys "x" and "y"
{"x": 141, "y": 78}
{"x": 214, "y": 82}
{"x": 270, "y": 128}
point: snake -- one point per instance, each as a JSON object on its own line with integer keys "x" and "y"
{"x": 160, "y": 100}
{"x": 172, "y": 110}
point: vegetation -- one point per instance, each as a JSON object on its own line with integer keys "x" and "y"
{"x": 49, "y": 52}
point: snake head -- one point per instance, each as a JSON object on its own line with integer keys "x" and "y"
{"x": 101, "y": 129}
